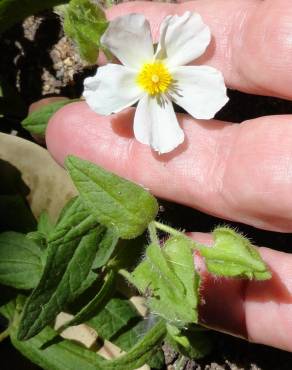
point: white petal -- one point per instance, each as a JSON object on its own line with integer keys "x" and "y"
{"x": 129, "y": 39}
{"x": 182, "y": 39}
{"x": 199, "y": 90}
{"x": 112, "y": 89}
{"x": 155, "y": 124}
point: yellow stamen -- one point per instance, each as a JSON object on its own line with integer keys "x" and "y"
{"x": 154, "y": 78}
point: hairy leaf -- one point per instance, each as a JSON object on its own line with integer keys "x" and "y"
{"x": 115, "y": 201}
{"x": 85, "y": 22}
{"x": 116, "y": 314}
{"x": 129, "y": 337}
{"x": 37, "y": 121}
{"x": 179, "y": 255}
{"x": 233, "y": 255}
{"x": 71, "y": 251}
{"x": 167, "y": 277}
{"x": 44, "y": 228}
{"x": 70, "y": 356}
{"x": 20, "y": 261}
{"x": 193, "y": 343}
{"x": 95, "y": 305}
{"x": 106, "y": 248}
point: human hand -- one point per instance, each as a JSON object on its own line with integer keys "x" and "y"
{"x": 239, "y": 172}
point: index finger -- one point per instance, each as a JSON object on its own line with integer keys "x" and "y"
{"x": 251, "y": 42}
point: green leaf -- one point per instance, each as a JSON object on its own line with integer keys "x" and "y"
{"x": 13, "y": 11}
{"x": 85, "y": 22}
{"x": 95, "y": 305}
{"x": 128, "y": 338}
{"x": 44, "y": 228}
{"x": 70, "y": 356}
{"x": 179, "y": 254}
{"x": 193, "y": 343}
{"x": 115, "y": 201}
{"x": 71, "y": 251}
{"x": 106, "y": 248}
{"x": 37, "y": 121}
{"x": 20, "y": 261}
{"x": 45, "y": 225}
{"x": 116, "y": 315}
{"x": 143, "y": 351}
{"x": 233, "y": 255}
{"x": 167, "y": 277}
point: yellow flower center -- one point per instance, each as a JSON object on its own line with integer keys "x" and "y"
{"x": 154, "y": 78}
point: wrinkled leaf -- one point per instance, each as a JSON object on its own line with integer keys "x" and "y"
{"x": 37, "y": 121}
{"x": 85, "y": 22}
{"x": 116, "y": 315}
{"x": 179, "y": 255}
{"x": 115, "y": 201}
{"x": 192, "y": 343}
{"x": 130, "y": 336}
{"x": 106, "y": 248}
{"x": 71, "y": 251}
{"x": 233, "y": 255}
{"x": 20, "y": 261}
{"x": 142, "y": 352}
{"x": 168, "y": 278}
{"x": 44, "y": 228}
{"x": 95, "y": 305}
{"x": 68, "y": 355}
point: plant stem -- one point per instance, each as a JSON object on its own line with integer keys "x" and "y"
{"x": 4, "y": 334}
{"x": 168, "y": 229}
{"x": 152, "y": 233}
{"x": 125, "y": 274}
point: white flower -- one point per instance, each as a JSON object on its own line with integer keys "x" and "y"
{"x": 155, "y": 79}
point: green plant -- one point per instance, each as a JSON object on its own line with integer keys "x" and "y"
{"x": 74, "y": 266}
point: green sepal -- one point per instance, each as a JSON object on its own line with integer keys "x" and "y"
{"x": 233, "y": 255}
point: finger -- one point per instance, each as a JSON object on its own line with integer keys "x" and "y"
{"x": 258, "y": 311}
{"x": 251, "y": 39}
{"x": 239, "y": 172}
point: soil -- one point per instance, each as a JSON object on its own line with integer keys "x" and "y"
{"x": 38, "y": 61}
